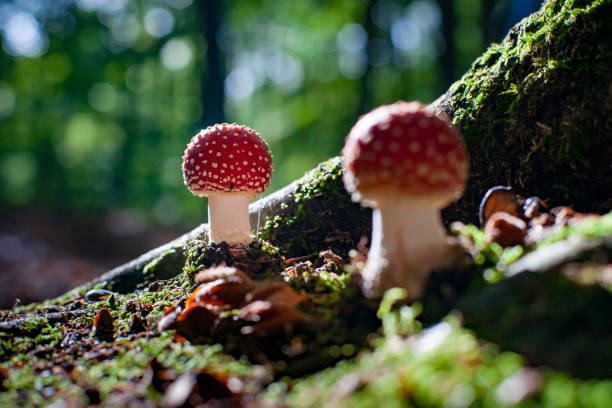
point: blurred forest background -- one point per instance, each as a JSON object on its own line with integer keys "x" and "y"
{"x": 98, "y": 99}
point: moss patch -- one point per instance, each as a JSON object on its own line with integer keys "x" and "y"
{"x": 330, "y": 220}
{"x": 542, "y": 98}
{"x": 421, "y": 355}
{"x": 442, "y": 366}
{"x": 166, "y": 266}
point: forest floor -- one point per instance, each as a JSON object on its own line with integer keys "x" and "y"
{"x": 522, "y": 325}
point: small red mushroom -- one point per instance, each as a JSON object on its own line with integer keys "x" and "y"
{"x": 406, "y": 163}
{"x": 230, "y": 164}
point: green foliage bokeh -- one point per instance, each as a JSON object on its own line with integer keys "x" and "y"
{"x": 98, "y": 117}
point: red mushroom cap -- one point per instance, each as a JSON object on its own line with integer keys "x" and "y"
{"x": 227, "y": 158}
{"x": 404, "y": 147}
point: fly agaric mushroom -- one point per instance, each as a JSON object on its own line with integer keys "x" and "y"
{"x": 231, "y": 164}
{"x": 406, "y": 163}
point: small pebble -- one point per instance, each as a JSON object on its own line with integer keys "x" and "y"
{"x": 97, "y": 295}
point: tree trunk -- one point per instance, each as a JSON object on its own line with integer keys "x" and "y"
{"x": 534, "y": 111}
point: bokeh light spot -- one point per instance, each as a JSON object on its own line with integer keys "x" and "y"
{"x": 352, "y": 38}
{"x": 240, "y": 84}
{"x": 159, "y": 22}
{"x": 176, "y": 54}
{"x": 23, "y": 36}
{"x": 102, "y": 97}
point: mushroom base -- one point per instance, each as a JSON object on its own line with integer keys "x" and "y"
{"x": 228, "y": 217}
{"x": 408, "y": 241}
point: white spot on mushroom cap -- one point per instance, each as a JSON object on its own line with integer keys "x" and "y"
{"x": 422, "y": 169}
{"x": 431, "y": 152}
{"x": 444, "y": 138}
{"x": 414, "y": 146}
{"x": 423, "y": 123}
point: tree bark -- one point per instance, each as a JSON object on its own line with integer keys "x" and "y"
{"x": 534, "y": 111}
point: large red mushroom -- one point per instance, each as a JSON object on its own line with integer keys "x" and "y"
{"x": 406, "y": 163}
{"x": 230, "y": 164}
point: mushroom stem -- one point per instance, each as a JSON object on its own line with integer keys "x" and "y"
{"x": 408, "y": 240}
{"x": 228, "y": 216}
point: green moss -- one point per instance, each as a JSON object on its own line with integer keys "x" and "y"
{"x": 126, "y": 367}
{"x": 588, "y": 228}
{"x": 321, "y": 281}
{"x": 445, "y": 365}
{"x": 535, "y": 108}
{"x": 166, "y": 266}
{"x": 259, "y": 259}
{"x": 330, "y": 220}
{"x": 493, "y": 259}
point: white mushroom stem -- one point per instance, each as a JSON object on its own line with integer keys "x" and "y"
{"x": 408, "y": 240}
{"x": 228, "y": 217}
